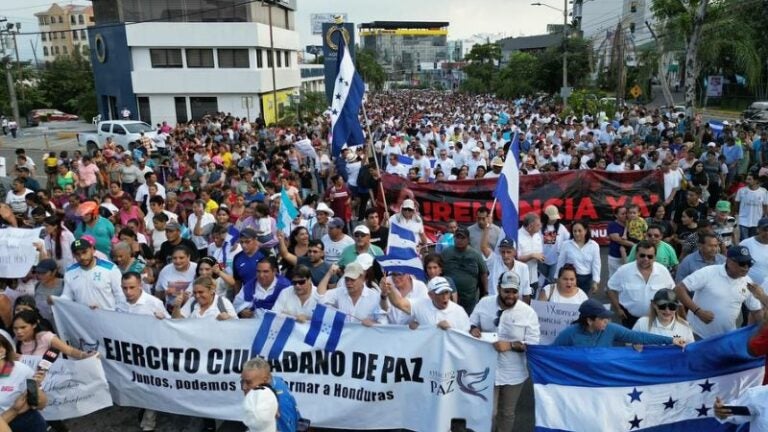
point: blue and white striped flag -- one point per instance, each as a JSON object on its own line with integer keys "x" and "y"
{"x": 402, "y": 260}
{"x": 717, "y": 128}
{"x": 508, "y": 190}
{"x": 400, "y": 236}
{"x": 659, "y": 389}
{"x": 325, "y": 328}
{"x": 405, "y": 160}
{"x": 273, "y": 335}
{"x": 346, "y": 102}
{"x": 287, "y": 213}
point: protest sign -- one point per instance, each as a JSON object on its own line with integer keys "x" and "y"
{"x": 74, "y": 387}
{"x": 553, "y": 318}
{"x": 579, "y": 195}
{"x": 17, "y": 251}
{"x": 389, "y": 376}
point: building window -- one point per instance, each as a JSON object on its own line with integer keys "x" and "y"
{"x": 61, "y": 19}
{"x": 74, "y": 35}
{"x": 233, "y": 58}
{"x": 91, "y": 19}
{"x": 41, "y": 20}
{"x": 279, "y": 58}
{"x": 259, "y": 59}
{"x": 42, "y": 37}
{"x": 181, "y": 109}
{"x": 270, "y": 59}
{"x": 56, "y": 49}
{"x": 64, "y": 49}
{"x": 72, "y": 19}
{"x": 145, "y": 114}
{"x": 55, "y": 35}
{"x": 199, "y": 58}
{"x": 80, "y": 19}
{"x": 287, "y": 58}
{"x": 45, "y": 51}
{"x": 82, "y": 34}
{"x": 166, "y": 58}
{"x": 202, "y": 106}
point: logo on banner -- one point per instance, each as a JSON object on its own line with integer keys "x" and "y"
{"x": 471, "y": 383}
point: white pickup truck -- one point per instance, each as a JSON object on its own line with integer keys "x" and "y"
{"x": 122, "y": 132}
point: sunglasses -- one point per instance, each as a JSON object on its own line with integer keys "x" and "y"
{"x": 649, "y": 256}
{"x": 498, "y": 317}
{"x": 667, "y": 306}
{"x": 299, "y": 281}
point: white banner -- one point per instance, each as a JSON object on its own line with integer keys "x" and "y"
{"x": 17, "y": 251}
{"x": 316, "y": 21}
{"x": 74, "y": 387}
{"x": 553, "y": 318}
{"x": 382, "y": 377}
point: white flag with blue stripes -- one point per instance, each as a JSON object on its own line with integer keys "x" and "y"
{"x": 400, "y": 236}
{"x": 402, "y": 260}
{"x": 325, "y": 328}
{"x": 273, "y": 334}
{"x": 659, "y": 389}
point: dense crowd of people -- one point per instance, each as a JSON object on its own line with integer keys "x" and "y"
{"x": 184, "y": 225}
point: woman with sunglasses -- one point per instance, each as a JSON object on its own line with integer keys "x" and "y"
{"x": 662, "y": 319}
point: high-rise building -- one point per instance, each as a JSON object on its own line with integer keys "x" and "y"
{"x": 168, "y": 60}
{"x": 407, "y": 48}
{"x": 63, "y": 30}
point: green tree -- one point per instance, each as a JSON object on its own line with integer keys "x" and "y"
{"x": 369, "y": 69}
{"x": 579, "y": 65}
{"x": 685, "y": 19}
{"x": 67, "y": 84}
{"x": 482, "y": 70}
{"x": 519, "y": 77}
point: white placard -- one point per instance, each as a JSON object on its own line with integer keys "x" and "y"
{"x": 17, "y": 251}
{"x": 553, "y": 318}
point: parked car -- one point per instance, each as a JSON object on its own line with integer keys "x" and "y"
{"x": 122, "y": 132}
{"x": 754, "y": 108}
{"x": 34, "y": 117}
{"x": 758, "y": 120}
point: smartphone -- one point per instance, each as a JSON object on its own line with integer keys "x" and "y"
{"x": 32, "y": 398}
{"x": 738, "y": 410}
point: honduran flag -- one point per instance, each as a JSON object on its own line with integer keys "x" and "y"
{"x": 658, "y": 389}
{"x": 507, "y": 191}
{"x": 347, "y": 99}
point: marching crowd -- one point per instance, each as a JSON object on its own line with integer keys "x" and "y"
{"x": 184, "y": 226}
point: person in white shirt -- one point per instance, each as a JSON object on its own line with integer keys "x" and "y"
{"x": 197, "y": 220}
{"x": 634, "y": 284}
{"x": 517, "y": 326}
{"x": 530, "y": 247}
{"x": 758, "y": 248}
{"x": 335, "y": 241}
{"x": 395, "y": 167}
{"x": 358, "y": 302}
{"x": 438, "y": 310}
{"x": 261, "y": 293}
{"x": 584, "y": 254}
{"x": 176, "y": 277}
{"x": 502, "y": 261}
{"x": 755, "y": 399}
{"x": 663, "y": 320}
{"x": 404, "y": 286}
{"x": 752, "y": 200}
{"x": 565, "y": 289}
{"x": 444, "y": 162}
{"x": 718, "y": 293}
{"x": 139, "y": 302}
{"x": 300, "y": 301}
{"x": 203, "y": 302}
{"x": 91, "y": 281}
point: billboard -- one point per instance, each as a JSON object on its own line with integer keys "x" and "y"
{"x": 316, "y": 21}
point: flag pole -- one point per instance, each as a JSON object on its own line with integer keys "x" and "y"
{"x": 375, "y": 158}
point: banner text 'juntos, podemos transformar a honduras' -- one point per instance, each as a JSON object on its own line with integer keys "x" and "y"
{"x": 378, "y": 378}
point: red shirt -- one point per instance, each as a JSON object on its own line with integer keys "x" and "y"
{"x": 338, "y": 202}
{"x": 758, "y": 346}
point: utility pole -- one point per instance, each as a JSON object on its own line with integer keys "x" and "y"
{"x": 565, "y": 55}
{"x": 18, "y": 61}
{"x": 620, "y": 78}
{"x": 6, "y": 63}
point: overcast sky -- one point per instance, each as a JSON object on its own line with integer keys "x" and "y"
{"x": 466, "y": 17}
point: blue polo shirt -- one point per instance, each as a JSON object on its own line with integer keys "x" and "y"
{"x": 244, "y": 266}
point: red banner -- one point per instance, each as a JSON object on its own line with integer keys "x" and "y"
{"x": 579, "y": 195}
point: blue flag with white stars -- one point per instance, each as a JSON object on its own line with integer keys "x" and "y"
{"x": 346, "y": 102}
{"x": 657, "y": 389}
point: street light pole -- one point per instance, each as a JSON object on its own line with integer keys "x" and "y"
{"x": 564, "y": 89}
{"x": 273, "y": 57}
{"x": 565, "y": 55}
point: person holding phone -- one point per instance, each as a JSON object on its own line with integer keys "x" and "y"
{"x": 20, "y": 394}
{"x": 751, "y": 406}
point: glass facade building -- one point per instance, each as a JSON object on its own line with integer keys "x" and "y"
{"x": 406, "y": 48}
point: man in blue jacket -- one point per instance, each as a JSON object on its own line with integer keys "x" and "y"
{"x": 257, "y": 373}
